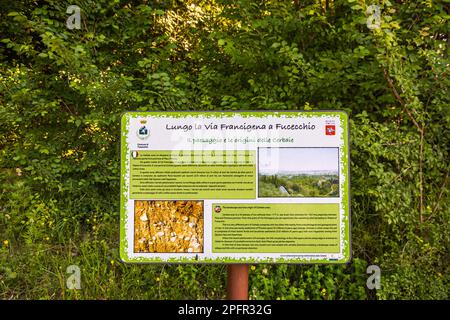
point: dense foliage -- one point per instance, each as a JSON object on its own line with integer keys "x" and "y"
{"x": 62, "y": 92}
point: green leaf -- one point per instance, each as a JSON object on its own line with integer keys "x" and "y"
{"x": 275, "y": 45}
{"x": 357, "y": 7}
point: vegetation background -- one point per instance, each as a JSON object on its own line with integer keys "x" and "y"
{"x": 62, "y": 92}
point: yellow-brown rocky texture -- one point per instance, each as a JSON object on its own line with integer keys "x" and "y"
{"x": 168, "y": 226}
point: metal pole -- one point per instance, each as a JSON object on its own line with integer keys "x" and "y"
{"x": 237, "y": 284}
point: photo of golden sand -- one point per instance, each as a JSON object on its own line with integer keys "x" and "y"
{"x": 168, "y": 226}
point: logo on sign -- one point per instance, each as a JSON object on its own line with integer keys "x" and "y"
{"x": 330, "y": 130}
{"x": 143, "y": 131}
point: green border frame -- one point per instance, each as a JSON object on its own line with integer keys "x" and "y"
{"x": 345, "y": 152}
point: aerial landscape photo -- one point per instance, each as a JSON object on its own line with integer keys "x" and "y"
{"x": 298, "y": 172}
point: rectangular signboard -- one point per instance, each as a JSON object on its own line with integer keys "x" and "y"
{"x": 235, "y": 187}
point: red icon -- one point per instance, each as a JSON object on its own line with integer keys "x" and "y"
{"x": 330, "y": 130}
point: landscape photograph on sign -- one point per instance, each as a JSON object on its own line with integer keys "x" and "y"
{"x": 298, "y": 172}
{"x": 168, "y": 226}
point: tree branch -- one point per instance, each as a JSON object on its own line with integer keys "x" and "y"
{"x": 441, "y": 193}
{"x": 421, "y": 144}
{"x": 400, "y": 100}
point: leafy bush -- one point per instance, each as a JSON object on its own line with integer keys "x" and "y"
{"x": 62, "y": 92}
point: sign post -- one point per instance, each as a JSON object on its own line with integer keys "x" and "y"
{"x": 237, "y": 282}
{"x": 236, "y": 188}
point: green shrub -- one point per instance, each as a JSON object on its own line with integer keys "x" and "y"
{"x": 62, "y": 92}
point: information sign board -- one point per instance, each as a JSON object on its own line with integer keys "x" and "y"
{"x": 235, "y": 187}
